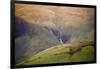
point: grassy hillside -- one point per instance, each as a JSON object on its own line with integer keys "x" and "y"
{"x": 31, "y": 39}
{"x": 51, "y": 34}
{"x": 73, "y": 52}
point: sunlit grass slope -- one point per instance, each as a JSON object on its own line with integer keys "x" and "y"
{"x": 65, "y": 53}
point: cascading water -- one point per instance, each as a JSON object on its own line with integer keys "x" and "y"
{"x": 59, "y": 35}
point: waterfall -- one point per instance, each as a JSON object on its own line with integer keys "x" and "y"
{"x": 62, "y": 38}
{"x": 61, "y": 41}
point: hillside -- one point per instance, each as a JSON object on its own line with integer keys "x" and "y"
{"x": 53, "y": 34}
{"x": 31, "y": 39}
{"x": 72, "y": 52}
{"x": 74, "y": 22}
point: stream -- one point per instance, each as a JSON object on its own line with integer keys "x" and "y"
{"x": 63, "y": 38}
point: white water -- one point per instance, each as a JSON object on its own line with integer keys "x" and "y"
{"x": 60, "y": 40}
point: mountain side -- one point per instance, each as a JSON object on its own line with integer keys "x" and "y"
{"x": 75, "y": 22}
{"x": 31, "y": 39}
{"x": 65, "y": 53}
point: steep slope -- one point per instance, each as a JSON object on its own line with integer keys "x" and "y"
{"x": 74, "y": 22}
{"x": 39, "y": 27}
{"x": 72, "y": 52}
{"x": 31, "y": 39}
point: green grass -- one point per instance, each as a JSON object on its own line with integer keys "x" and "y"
{"x": 86, "y": 54}
{"x": 61, "y": 54}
